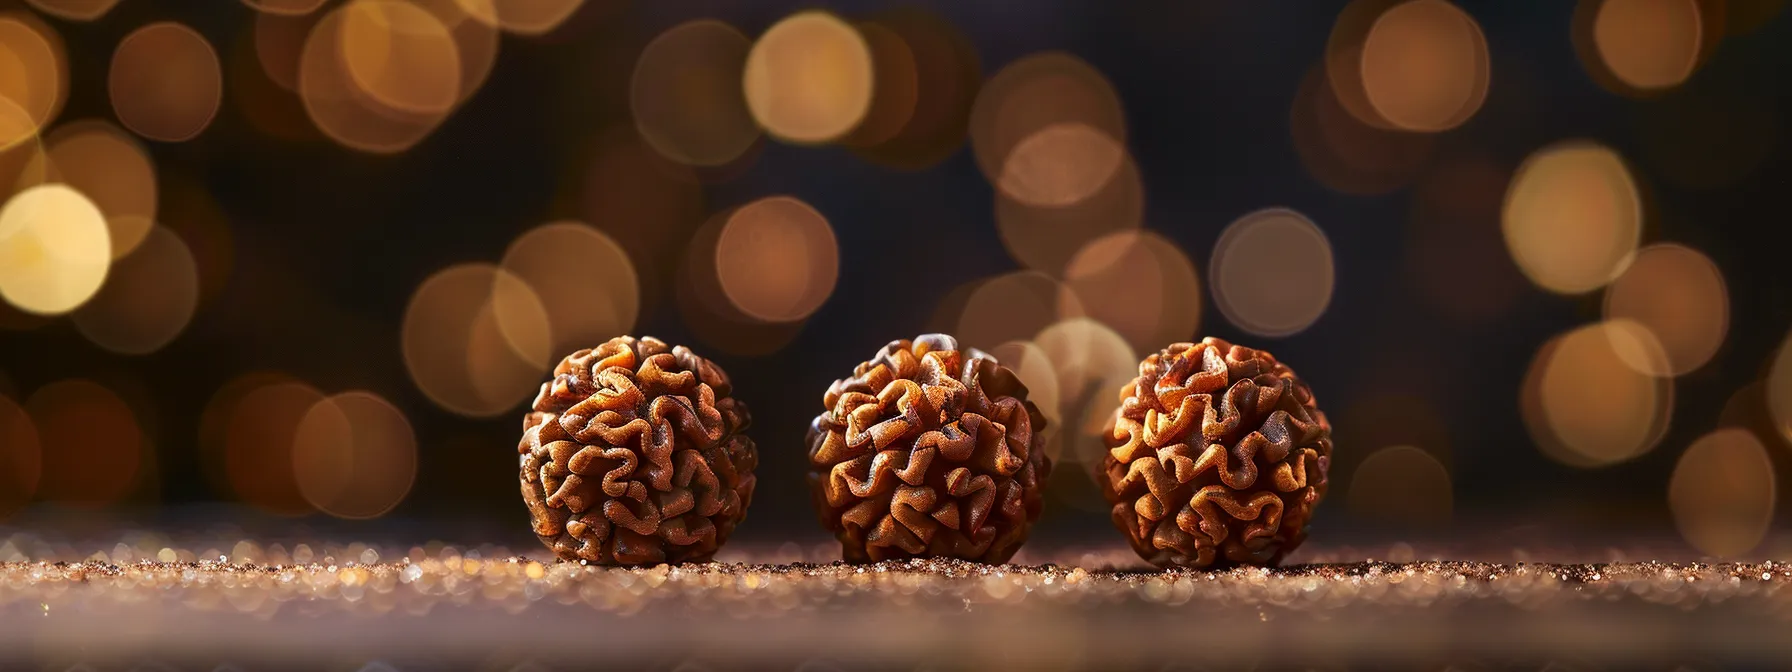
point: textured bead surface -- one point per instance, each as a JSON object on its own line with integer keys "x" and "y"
{"x": 1217, "y": 457}
{"x": 928, "y": 451}
{"x": 633, "y": 454}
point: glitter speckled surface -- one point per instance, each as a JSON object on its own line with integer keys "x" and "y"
{"x": 438, "y": 604}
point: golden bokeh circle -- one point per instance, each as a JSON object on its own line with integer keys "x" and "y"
{"x": 1012, "y": 307}
{"x": 1779, "y": 389}
{"x": 708, "y": 311}
{"x": 1586, "y": 405}
{"x": 33, "y": 75}
{"x": 1060, "y": 165}
{"x": 1140, "y": 284}
{"x": 475, "y": 339}
{"x": 777, "y": 259}
{"x": 584, "y": 279}
{"x": 54, "y": 250}
{"x": 1679, "y": 295}
{"x": 808, "y": 79}
{"x": 1048, "y": 130}
{"x": 1093, "y": 362}
{"x": 113, "y": 170}
{"x": 74, "y": 10}
{"x": 214, "y": 421}
{"x": 1345, "y": 153}
{"x": 165, "y": 82}
{"x": 686, "y": 97}
{"x": 1045, "y": 238}
{"x": 1572, "y": 217}
{"x": 522, "y": 17}
{"x": 1424, "y": 66}
{"x": 258, "y": 435}
{"x": 285, "y": 7}
{"x": 341, "y": 110}
{"x": 354, "y": 455}
{"x": 895, "y": 89}
{"x": 1722, "y": 493}
{"x": 1401, "y": 484}
{"x": 1646, "y": 45}
{"x": 147, "y": 300}
{"x": 21, "y": 458}
{"x": 400, "y": 55}
{"x": 1272, "y": 272}
{"x": 93, "y": 444}
{"x": 947, "y": 76}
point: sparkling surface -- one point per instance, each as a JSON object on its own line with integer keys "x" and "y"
{"x": 248, "y": 602}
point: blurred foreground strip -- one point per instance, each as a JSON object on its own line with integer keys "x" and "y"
{"x": 947, "y": 615}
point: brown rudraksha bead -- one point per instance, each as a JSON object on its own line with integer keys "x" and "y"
{"x": 1217, "y": 456}
{"x": 928, "y": 451}
{"x": 633, "y": 454}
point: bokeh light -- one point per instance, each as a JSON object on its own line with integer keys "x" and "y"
{"x": 214, "y": 422}
{"x": 354, "y": 455}
{"x": 1677, "y": 293}
{"x": 522, "y": 17}
{"x": 279, "y": 41}
{"x": 1012, "y": 307}
{"x": 583, "y": 278}
{"x": 1092, "y": 362}
{"x": 165, "y": 82}
{"x": 947, "y": 76}
{"x": 686, "y": 94}
{"x": 476, "y": 43}
{"x": 113, "y": 170}
{"x": 1045, "y": 238}
{"x": 1344, "y": 153}
{"x": 147, "y": 299}
{"x": 1402, "y": 485}
{"x": 74, "y": 10}
{"x": 777, "y": 259}
{"x": 1140, "y": 284}
{"x": 1572, "y": 217}
{"x": 808, "y": 79}
{"x": 188, "y": 209}
{"x": 708, "y": 311}
{"x": 1779, "y": 388}
{"x": 895, "y": 86}
{"x": 258, "y": 440}
{"x": 1585, "y": 404}
{"x": 401, "y": 56}
{"x": 343, "y": 111}
{"x": 1722, "y": 493}
{"x": 1637, "y": 47}
{"x": 1405, "y": 415}
{"x": 54, "y": 250}
{"x": 1455, "y": 256}
{"x": 1048, "y": 130}
{"x": 509, "y": 347}
{"x": 33, "y": 75}
{"x": 476, "y": 339}
{"x": 1272, "y": 272}
{"x": 1420, "y": 65}
{"x": 21, "y": 458}
{"x": 93, "y": 446}
{"x": 285, "y": 7}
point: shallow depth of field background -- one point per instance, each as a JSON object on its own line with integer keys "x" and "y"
{"x": 304, "y": 262}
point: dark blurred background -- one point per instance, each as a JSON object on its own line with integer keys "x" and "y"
{"x": 1525, "y": 253}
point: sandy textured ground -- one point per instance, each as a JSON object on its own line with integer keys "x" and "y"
{"x": 489, "y": 609}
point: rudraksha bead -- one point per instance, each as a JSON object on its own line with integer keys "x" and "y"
{"x": 928, "y": 451}
{"x": 633, "y": 454}
{"x": 1217, "y": 457}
